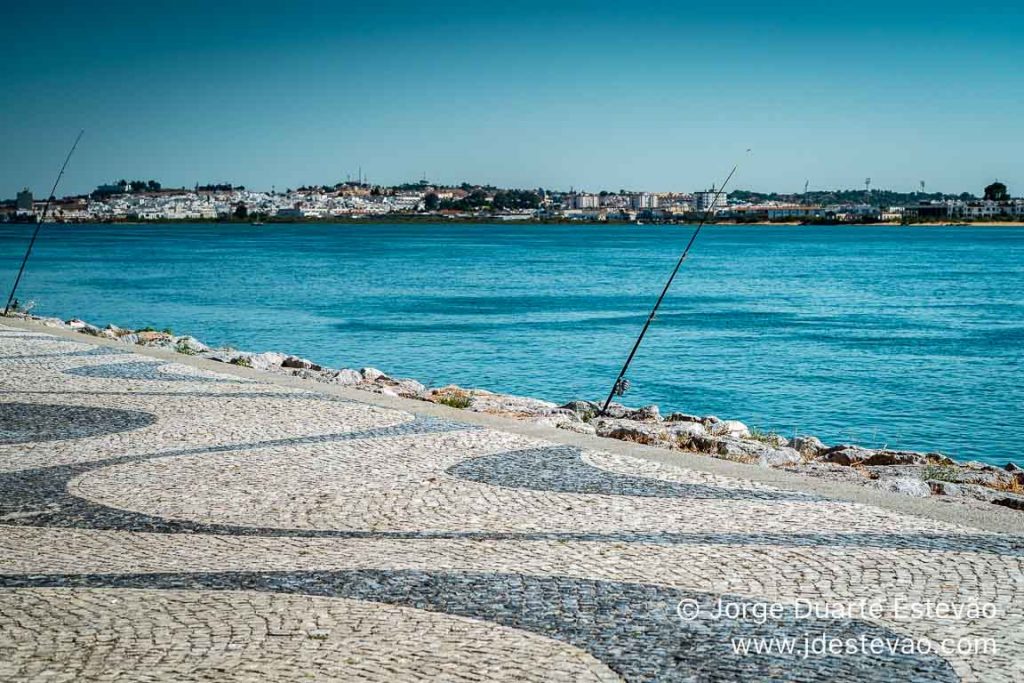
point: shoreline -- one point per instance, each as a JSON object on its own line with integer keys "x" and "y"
{"x": 496, "y": 221}
{"x": 910, "y": 473}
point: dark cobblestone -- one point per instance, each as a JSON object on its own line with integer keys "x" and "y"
{"x": 34, "y": 422}
{"x": 632, "y": 628}
{"x": 559, "y": 468}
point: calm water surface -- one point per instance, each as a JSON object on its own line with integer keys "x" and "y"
{"x": 911, "y": 337}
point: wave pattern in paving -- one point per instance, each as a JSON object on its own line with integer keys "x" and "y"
{"x": 317, "y": 532}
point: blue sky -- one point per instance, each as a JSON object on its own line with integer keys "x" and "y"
{"x": 664, "y": 96}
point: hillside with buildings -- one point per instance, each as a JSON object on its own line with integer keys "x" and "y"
{"x": 142, "y": 201}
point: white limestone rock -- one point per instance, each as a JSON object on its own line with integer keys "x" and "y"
{"x": 372, "y": 374}
{"x": 296, "y": 363}
{"x": 189, "y": 345}
{"x": 266, "y": 361}
{"x": 345, "y": 377}
{"x": 733, "y": 428}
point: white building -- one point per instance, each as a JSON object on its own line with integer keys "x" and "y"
{"x": 585, "y": 201}
{"x": 987, "y": 208}
{"x": 644, "y": 200}
{"x": 892, "y": 213}
{"x": 709, "y": 200}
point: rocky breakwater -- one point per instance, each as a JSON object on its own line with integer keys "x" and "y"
{"x": 904, "y": 472}
{"x": 909, "y": 473}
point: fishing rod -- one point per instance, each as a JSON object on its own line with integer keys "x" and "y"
{"x": 39, "y": 224}
{"x": 621, "y": 383}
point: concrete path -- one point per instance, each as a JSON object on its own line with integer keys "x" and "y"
{"x": 159, "y": 521}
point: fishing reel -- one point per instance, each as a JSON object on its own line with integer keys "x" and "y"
{"x": 621, "y": 386}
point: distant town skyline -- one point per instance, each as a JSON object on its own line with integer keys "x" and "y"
{"x": 153, "y": 184}
{"x": 147, "y": 200}
{"x": 655, "y": 96}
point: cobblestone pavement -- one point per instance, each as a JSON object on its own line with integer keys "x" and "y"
{"x": 162, "y": 522}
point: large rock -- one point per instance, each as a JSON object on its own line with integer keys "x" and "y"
{"x": 733, "y": 428}
{"x": 646, "y": 414}
{"x": 985, "y": 475}
{"x": 809, "y": 445}
{"x": 112, "y": 332}
{"x": 189, "y": 345}
{"x": 846, "y": 455}
{"x": 771, "y": 439}
{"x": 585, "y": 409}
{"x": 701, "y": 444}
{"x": 683, "y": 417}
{"x": 780, "y": 457}
{"x": 767, "y": 455}
{"x": 686, "y": 430}
{"x": 84, "y": 327}
{"x": 939, "y": 459}
{"x": 744, "y": 450}
{"x": 150, "y": 336}
{"x": 506, "y": 404}
{"x": 906, "y": 486}
{"x": 266, "y": 361}
{"x": 297, "y": 363}
{"x": 756, "y": 453}
{"x": 895, "y": 458}
{"x": 616, "y": 411}
{"x": 733, "y": 449}
{"x": 407, "y": 387}
{"x": 372, "y": 374}
{"x": 651, "y": 434}
{"x": 345, "y": 376}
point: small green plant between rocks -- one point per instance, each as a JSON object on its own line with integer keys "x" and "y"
{"x": 455, "y": 400}
{"x": 770, "y": 438}
{"x": 183, "y": 347}
{"x": 940, "y": 473}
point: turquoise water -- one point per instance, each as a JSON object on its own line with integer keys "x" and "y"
{"x": 910, "y": 337}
